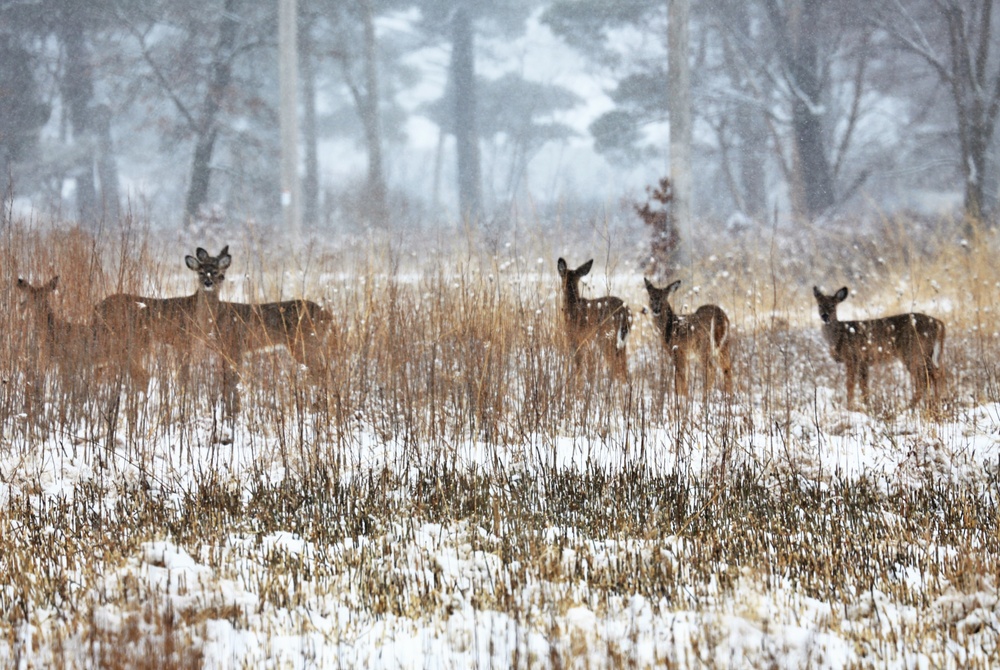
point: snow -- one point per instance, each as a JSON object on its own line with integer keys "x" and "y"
{"x": 276, "y": 598}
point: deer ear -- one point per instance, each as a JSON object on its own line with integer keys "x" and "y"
{"x": 585, "y": 268}
{"x": 561, "y": 266}
{"x": 192, "y": 262}
{"x": 841, "y": 295}
{"x": 649, "y": 284}
{"x": 224, "y": 259}
{"x": 673, "y": 287}
{"x": 816, "y": 292}
{"x": 201, "y": 254}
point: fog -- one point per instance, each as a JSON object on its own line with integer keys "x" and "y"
{"x": 805, "y": 111}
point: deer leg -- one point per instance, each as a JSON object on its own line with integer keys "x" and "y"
{"x": 230, "y": 392}
{"x": 863, "y": 382}
{"x": 851, "y": 379}
{"x": 708, "y": 362}
{"x": 726, "y": 363}
{"x": 936, "y": 375}
{"x": 920, "y": 375}
{"x": 620, "y": 363}
{"x": 680, "y": 372}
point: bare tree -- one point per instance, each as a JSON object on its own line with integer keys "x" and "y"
{"x": 956, "y": 38}
{"x": 205, "y": 125}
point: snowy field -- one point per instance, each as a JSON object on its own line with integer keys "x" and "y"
{"x": 455, "y": 493}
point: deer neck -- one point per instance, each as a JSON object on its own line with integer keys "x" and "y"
{"x": 833, "y": 329}
{"x": 572, "y": 304}
{"x": 206, "y": 307}
{"x": 669, "y": 323}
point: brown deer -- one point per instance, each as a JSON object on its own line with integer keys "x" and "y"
{"x": 607, "y": 320}
{"x": 915, "y": 339}
{"x": 229, "y": 329}
{"x": 68, "y": 345}
{"x": 182, "y": 322}
{"x": 301, "y": 326}
{"x": 703, "y": 335}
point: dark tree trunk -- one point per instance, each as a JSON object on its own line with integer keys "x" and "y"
{"x": 795, "y": 28}
{"x": 78, "y": 92}
{"x": 107, "y": 166}
{"x": 463, "y": 80}
{"x": 977, "y": 98}
{"x": 219, "y": 79}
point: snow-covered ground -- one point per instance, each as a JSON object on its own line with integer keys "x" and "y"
{"x": 421, "y": 522}
{"x": 452, "y": 575}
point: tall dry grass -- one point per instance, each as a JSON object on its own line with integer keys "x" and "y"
{"x": 441, "y": 352}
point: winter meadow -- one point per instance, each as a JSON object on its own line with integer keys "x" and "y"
{"x": 457, "y": 490}
{"x": 349, "y": 334}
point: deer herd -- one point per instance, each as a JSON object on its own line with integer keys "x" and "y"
{"x": 915, "y": 339}
{"x": 124, "y": 328}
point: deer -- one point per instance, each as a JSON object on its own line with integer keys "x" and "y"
{"x": 180, "y": 322}
{"x": 301, "y": 326}
{"x": 228, "y": 329}
{"x": 915, "y": 339}
{"x": 68, "y": 344}
{"x": 606, "y": 320}
{"x": 703, "y": 335}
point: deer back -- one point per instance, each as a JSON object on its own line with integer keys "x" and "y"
{"x": 903, "y": 336}
{"x": 586, "y": 318}
{"x": 245, "y": 327}
{"x": 908, "y": 337}
{"x": 703, "y": 331}
{"x": 178, "y": 321}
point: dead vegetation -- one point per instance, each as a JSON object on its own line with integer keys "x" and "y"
{"x": 435, "y": 439}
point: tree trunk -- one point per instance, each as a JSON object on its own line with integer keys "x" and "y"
{"x": 795, "y": 31}
{"x": 463, "y": 80}
{"x": 219, "y": 79}
{"x": 310, "y": 181}
{"x": 679, "y": 75}
{"x": 752, "y": 149}
{"x": 107, "y": 166}
{"x": 976, "y": 96}
{"x": 78, "y": 92}
{"x": 288, "y": 112}
{"x": 372, "y": 120}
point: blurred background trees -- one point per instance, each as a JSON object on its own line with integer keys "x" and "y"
{"x": 444, "y": 110}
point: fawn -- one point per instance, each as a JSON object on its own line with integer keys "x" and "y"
{"x": 704, "y": 334}
{"x": 608, "y": 320}
{"x": 915, "y": 339}
{"x": 69, "y": 344}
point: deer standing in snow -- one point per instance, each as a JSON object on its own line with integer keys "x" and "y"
{"x": 607, "y": 320}
{"x": 703, "y": 335}
{"x": 915, "y": 339}
{"x": 230, "y": 329}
